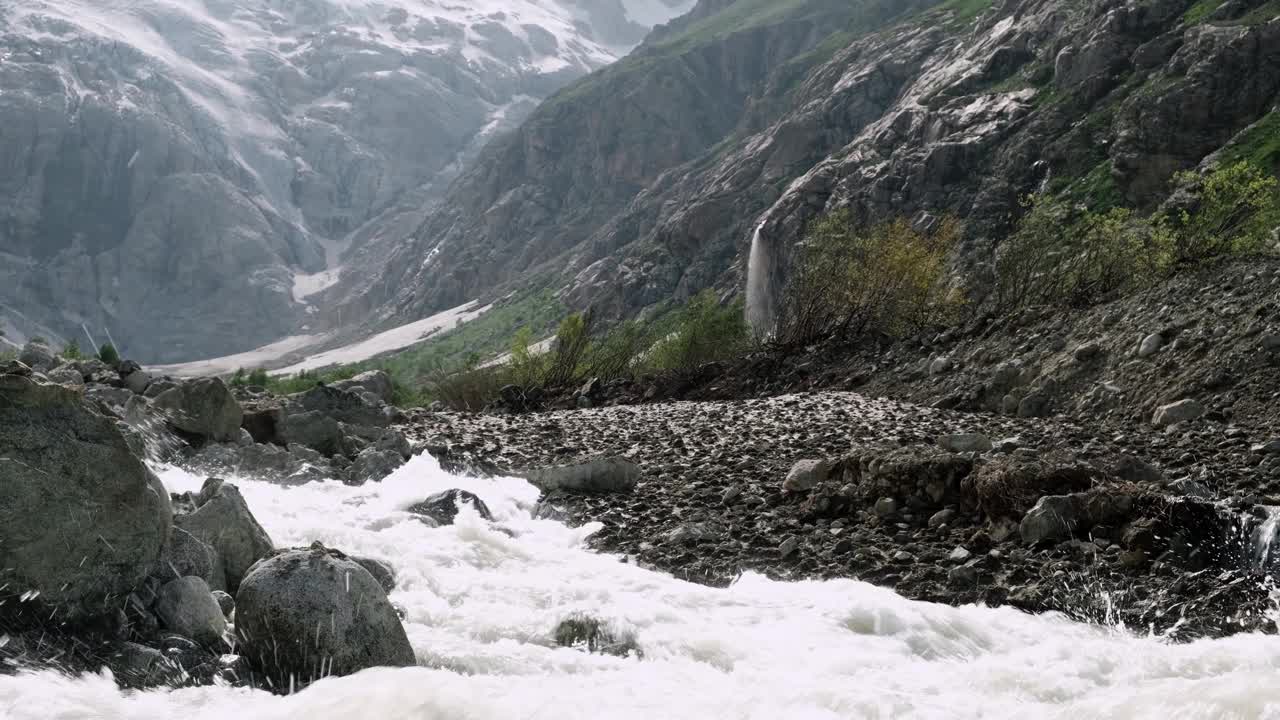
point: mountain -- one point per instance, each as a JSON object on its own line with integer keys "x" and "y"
{"x": 697, "y": 161}
{"x": 184, "y": 175}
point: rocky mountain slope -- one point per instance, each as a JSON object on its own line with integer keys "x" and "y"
{"x": 698, "y": 161}
{"x": 185, "y": 173}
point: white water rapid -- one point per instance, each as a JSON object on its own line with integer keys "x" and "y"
{"x": 481, "y": 609}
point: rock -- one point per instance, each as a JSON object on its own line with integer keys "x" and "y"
{"x": 963, "y": 576}
{"x": 1181, "y": 411}
{"x": 395, "y": 441}
{"x": 691, "y": 533}
{"x": 595, "y": 636}
{"x": 965, "y": 442}
{"x": 1135, "y": 469}
{"x": 1087, "y": 352}
{"x": 940, "y": 366}
{"x": 225, "y": 602}
{"x": 375, "y": 382}
{"x": 443, "y": 506}
{"x": 346, "y": 406}
{"x": 262, "y": 422}
{"x": 37, "y": 356}
{"x": 1268, "y": 448}
{"x": 203, "y": 407}
{"x": 1034, "y": 405}
{"x": 187, "y": 606}
{"x": 223, "y": 521}
{"x": 788, "y": 547}
{"x": 942, "y": 517}
{"x": 66, "y": 375}
{"x": 80, "y": 537}
{"x": 886, "y": 506}
{"x": 1270, "y": 342}
{"x": 806, "y": 475}
{"x": 185, "y": 555}
{"x": 138, "y": 666}
{"x": 1054, "y": 517}
{"x": 372, "y": 465}
{"x": 960, "y": 554}
{"x": 730, "y": 495}
{"x": 1010, "y": 485}
{"x": 136, "y": 380}
{"x": 16, "y": 367}
{"x": 1189, "y": 487}
{"x": 903, "y": 556}
{"x": 598, "y": 475}
{"x": 380, "y": 571}
{"x": 307, "y": 614}
{"x": 1150, "y": 345}
{"x": 312, "y": 429}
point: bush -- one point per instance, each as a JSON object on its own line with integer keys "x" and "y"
{"x": 72, "y": 351}
{"x": 107, "y": 354}
{"x": 706, "y": 331}
{"x": 1235, "y": 214}
{"x": 257, "y": 378}
{"x": 852, "y": 280}
{"x": 617, "y": 354}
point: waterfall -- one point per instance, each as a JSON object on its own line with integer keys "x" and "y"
{"x": 1263, "y": 540}
{"x": 760, "y": 298}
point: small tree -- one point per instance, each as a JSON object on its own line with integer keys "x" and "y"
{"x": 107, "y": 354}
{"x": 72, "y": 351}
{"x": 707, "y": 331}
{"x": 1236, "y": 212}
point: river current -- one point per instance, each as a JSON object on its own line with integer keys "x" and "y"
{"x": 482, "y": 607}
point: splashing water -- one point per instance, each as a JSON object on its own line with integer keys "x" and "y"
{"x": 1264, "y": 537}
{"x": 482, "y": 609}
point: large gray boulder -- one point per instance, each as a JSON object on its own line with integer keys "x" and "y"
{"x": 1053, "y": 518}
{"x": 186, "y": 555}
{"x": 82, "y": 520}
{"x": 223, "y": 521}
{"x": 443, "y": 506}
{"x": 806, "y": 475}
{"x": 1174, "y": 413}
{"x": 38, "y": 356}
{"x": 203, "y": 407}
{"x": 312, "y": 429}
{"x": 187, "y": 606}
{"x": 348, "y": 406}
{"x": 307, "y": 614}
{"x": 597, "y": 475}
{"x": 375, "y": 382}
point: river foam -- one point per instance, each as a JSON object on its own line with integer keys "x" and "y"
{"x": 481, "y": 609}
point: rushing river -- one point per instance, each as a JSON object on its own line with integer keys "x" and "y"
{"x": 482, "y": 607}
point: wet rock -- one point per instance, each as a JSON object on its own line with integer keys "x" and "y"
{"x": 1134, "y": 469}
{"x": 223, "y": 521}
{"x": 443, "y": 507}
{"x": 372, "y": 465}
{"x": 187, "y": 606}
{"x": 942, "y": 517}
{"x": 186, "y": 555}
{"x": 312, "y": 429}
{"x": 598, "y": 475}
{"x": 1150, "y": 345}
{"x": 788, "y": 547}
{"x": 203, "y": 407}
{"x": 307, "y": 614}
{"x": 1181, "y": 411}
{"x": 965, "y": 442}
{"x": 692, "y": 533}
{"x": 886, "y": 506}
{"x": 806, "y": 475}
{"x": 380, "y": 571}
{"x": 593, "y": 635}
{"x": 341, "y": 405}
{"x": 80, "y": 538}
{"x": 226, "y": 603}
{"x": 393, "y": 440}
{"x": 1053, "y": 518}
{"x": 138, "y": 666}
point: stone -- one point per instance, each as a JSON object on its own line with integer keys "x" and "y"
{"x": 138, "y": 666}
{"x": 380, "y": 571}
{"x": 1271, "y": 447}
{"x": 395, "y": 441}
{"x": 1179, "y": 412}
{"x": 1270, "y": 342}
{"x": 37, "y": 356}
{"x": 940, "y": 366}
{"x": 788, "y": 547}
{"x": 886, "y": 506}
{"x": 372, "y": 465}
{"x": 375, "y": 382}
{"x": 1053, "y": 518}
{"x": 1034, "y": 405}
{"x": 66, "y": 375}
{"x": 16, "y": 367}
{"x": 595, "y": 636}
{"x": 203, "y": 407}
{"x": 965, "y": 442}
{"x": 443, "y": 507}
{"x": 348, "y": 406}
{"x": 1087, "y": 352}
{"x": 137, "y": 381}
{"x": 1189, "y": 487}
{"x": 806, "y": 475}
{"x": 225, "y": 602}
{"x": 597, "y": 475}
{"x": 185, "y": 555}
{"x": 731, "y": 494}
{"x": 1135, "y": 469}
{"x": 312, "y": 429}
{"x": 223, "y": 521}
{"x": 1150, "y": 345}
{"x": 83, "y": 521}
{"x": 962, "y": 576}
{"x": 942, "y": 517}
{"x": 187, "y": 606}
{"x": 960, "y": 554}
{"x": 903, "y": 556}
{"x": 690, "y": 533}
{"x": 303, "y": 615}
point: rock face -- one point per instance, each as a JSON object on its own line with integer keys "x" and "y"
{"x": 83, "y": 519}
{"x": 203, "y": 407}
{"x": 222, "y": 520}
{"x": 307, "y": 614}
{"x": 180, "y": 190}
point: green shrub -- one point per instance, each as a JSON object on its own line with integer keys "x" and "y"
{"x": 1236, "y": 212}
{"x": 564, "y": 361}
{"x": 107, "y": 354}
{"x": 706, "y": 331}
{"x": 72, "y": 351}
{"x": 851, "y": 280}
{"x": 617, "y": 354}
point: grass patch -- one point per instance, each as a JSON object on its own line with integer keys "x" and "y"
{"x": 1197, "y": 13}
{"x": 1259, "y": 145}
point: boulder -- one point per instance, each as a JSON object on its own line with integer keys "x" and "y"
{"x": 303, "y": 615}
{"x": 187, "y": 606}
{"x": 1174, "y": 413}
{"x": 137, "y": 381}
{"x": 138, "y": 666}
{"x": 312, "y": 429}
{"x": 380, "y": 571}
{"x": 38, "y": 356}
{"x": 223, "y": 521}
{"x": 806, "y": 475}
{"x": 443, "y": 507}
{"x": 185, "y": 555}
{"x": 395, "y": 441}
{"x": 373, "y": 464}
{"x": 343, "y": 405}
{"x": 597, "y": 475}
{"x": 965, "y": 442}
{"x": 374, "y": 382}
{"x": 203, "y": 407}
{"x": 1054, "y": 518}
{"x": 262, "y": 422}
{"x": 82, "y": 520}
{"x": 1150, "y": 345}
{"x": 66, "y": 375}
